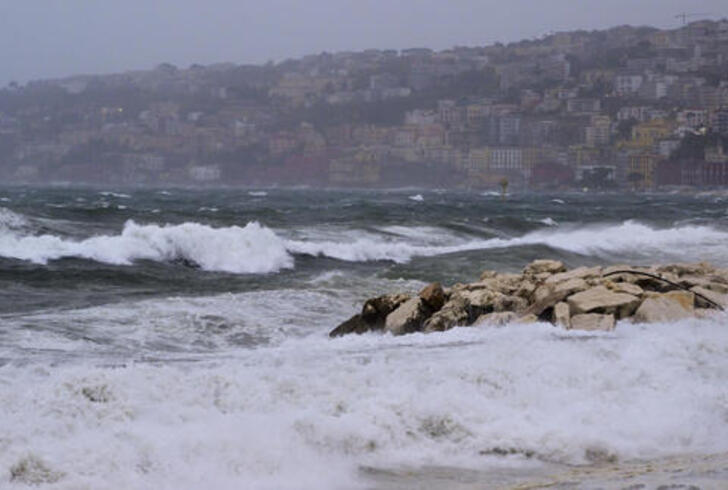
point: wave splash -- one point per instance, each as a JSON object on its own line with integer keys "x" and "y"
{"x": 257, "y": 249}
{"x": 251, "y": 249}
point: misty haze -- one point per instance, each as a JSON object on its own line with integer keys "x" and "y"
{"x": 362, "y": 245}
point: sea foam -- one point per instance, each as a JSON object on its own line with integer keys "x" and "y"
{"x": 308, "y": 412}
{"x": 250, "y": 249}
{"x": 255, "y": 248}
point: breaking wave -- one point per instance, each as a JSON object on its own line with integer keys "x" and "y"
{"x": 250, "y": 249}
{"x": 257, "y": 249}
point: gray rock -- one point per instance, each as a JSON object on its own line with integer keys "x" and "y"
{"x": 408, "y": 318}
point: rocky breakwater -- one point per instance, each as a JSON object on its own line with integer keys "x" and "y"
{"x": 585, "y": 298}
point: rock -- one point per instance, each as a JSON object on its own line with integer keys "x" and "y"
{"x": 454, "y": 313}
{"x": 529, "y": 318}
{"x": 593, "y": 321}
{"x": 562, "y": 315}
{"x": 375, "y": 310}
{"x": 599, "y": 299}
{"x": 525, "y": 289}
{"x": 667, "y": 307}
{"x": 434, "y": 296}
{"x": 496, "y": 319}
{"x": 502, "y": 283}
{"x": 373, "y": 315}
{"x": 478, "y": 302}
{"x": 624, "y": 287}
{"x": 488, "y": 275}
{"x": 548, "y": 295}
{"x": 408, "y": 318}
{"x": 509, "y": 303}
{"x": 697, "y": 269}
{"x": 542, "y": 266}
{"x": 718, "y": 298}
{"x": 355, "y": 324}
{"x": 711, "y": 283}
{"x": 578, "y": 273}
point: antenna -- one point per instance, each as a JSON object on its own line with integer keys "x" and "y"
{"x": 685, "y": 15}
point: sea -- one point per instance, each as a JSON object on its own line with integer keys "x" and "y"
{"x": 176, "y": 338}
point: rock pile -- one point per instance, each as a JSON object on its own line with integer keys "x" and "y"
{"x": 585, "y": 298}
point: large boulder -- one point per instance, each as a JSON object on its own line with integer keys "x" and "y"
{"x": 375, "y": 310}
{"x": 454, "y": 313}
{"x": 593, "y": 321}
{"x": 664, "y": 308}
{"x": 408, "y": 318}
{"x": 372, "y": 317}
{"x": 547, "y": 295}
{"x": 599, "y": 299}
{"x": 434, "y": 296}
{"x": 544, "y": 266}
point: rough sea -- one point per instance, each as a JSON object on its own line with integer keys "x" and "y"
{"x": 178, "y": 339}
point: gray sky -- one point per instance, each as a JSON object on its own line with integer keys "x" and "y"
{"x": 55, "y": 38}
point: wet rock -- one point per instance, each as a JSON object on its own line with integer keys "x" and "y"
{"x": 544, "y": 266}
{"x": 454, "y": 313}
{"x": 479, "y": 302}
{"x": 372, "y": 317}
{"x": 562, "y": 315}
{"x": 599, "y": 299}
{"x": 375, "y": 310}
{"x": 664, "y": 308}
{"x": 408, "y": 318}
{"x": 434, "y": 296}
{"x": 593, "y": 322}
{"x": 355, "y": 324}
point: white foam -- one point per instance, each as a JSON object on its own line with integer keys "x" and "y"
{"x": 629, "y": 239}
{"x": 548, "y": 221}
{"x": 308, "y": 412}
{"x": 118, "y": 195}
{"x": 417, "y": 198}
{"x": 251, "y": 249}
{"x": 257, "y": 193}
{"x": 10, "y": 220}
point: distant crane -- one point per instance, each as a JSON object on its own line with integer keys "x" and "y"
{"x": 685, "y": 16}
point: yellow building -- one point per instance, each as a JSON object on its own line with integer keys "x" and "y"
{"x": 641, "y": 170}
{"x": 645, "y": 135}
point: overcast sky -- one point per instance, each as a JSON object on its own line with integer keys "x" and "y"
{"x": 55, "y": 38}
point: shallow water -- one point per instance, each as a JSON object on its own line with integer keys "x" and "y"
{"x": 173, "y": 339}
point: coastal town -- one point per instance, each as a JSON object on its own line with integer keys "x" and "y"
{"x": 631, "y": 108}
